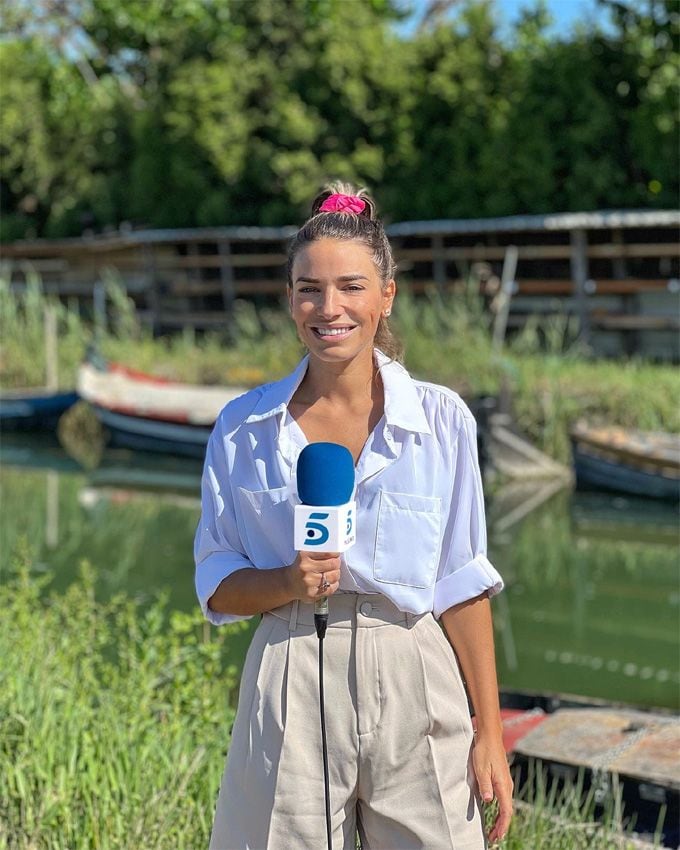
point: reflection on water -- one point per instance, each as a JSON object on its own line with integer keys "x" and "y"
{"x": 591, "y": 601}
{"x": 592, "y": 598}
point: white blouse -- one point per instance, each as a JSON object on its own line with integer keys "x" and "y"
{"x": 421, "y": 533}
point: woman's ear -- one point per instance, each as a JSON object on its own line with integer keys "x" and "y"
{"x": 389, "y": 293}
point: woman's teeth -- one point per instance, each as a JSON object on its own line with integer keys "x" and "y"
{"x": 332, "y": 331}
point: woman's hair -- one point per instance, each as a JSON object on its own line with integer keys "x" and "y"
{"x": 364, "y": 227}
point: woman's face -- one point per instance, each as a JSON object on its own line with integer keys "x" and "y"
{"x": 337, "y": 298}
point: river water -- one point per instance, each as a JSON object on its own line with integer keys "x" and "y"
{"x": 592, "y": 599}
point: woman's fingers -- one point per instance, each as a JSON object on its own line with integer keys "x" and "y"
{"x": 321, "y": 573}
{"x": 494, "y": 780}
{"x": 502, "y": 786}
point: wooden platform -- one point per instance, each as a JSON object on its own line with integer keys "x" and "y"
{"x": 641, "y": 745}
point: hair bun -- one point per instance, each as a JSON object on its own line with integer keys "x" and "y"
{"x": 339, "y": 188}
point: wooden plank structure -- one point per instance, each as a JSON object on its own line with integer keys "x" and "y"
{"x": 617, "y": 272}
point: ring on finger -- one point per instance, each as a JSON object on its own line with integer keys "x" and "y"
{"x": 324, "y": 584}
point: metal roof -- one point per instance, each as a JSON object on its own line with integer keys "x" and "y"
{"x": 553, "y": 221}
{"x": 507, "y": 224}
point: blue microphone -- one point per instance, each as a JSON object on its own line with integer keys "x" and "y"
{"x": 325, "y": 521}
{"x": 325, "y": 474}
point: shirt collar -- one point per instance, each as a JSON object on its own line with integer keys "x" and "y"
{"x": 403, "y": 407}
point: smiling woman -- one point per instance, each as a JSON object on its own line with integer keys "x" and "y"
{"x": 346, "y": 227}
{"x": 405, "y": 767}
{"x": 333, "y": 309}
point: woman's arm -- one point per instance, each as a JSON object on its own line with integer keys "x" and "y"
{"x": 470, "y": 630}
{"x": 251, "y": 591}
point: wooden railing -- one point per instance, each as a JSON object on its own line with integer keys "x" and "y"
{"x": 617, "y": 271}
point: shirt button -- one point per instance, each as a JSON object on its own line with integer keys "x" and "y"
{"x": 366, "y": 608}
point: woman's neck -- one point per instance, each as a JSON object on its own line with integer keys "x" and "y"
{"x": 350, "y": 383}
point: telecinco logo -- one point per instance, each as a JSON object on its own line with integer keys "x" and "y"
{"x": 314, "y": 528}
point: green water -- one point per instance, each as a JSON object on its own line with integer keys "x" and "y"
{"x": 592, "y": 598}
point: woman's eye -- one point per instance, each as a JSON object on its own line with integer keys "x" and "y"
{"x": 355, "y": 288}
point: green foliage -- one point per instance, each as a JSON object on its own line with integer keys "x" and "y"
{"x": 183, "y": 112}
{"x": 114, "y": 724}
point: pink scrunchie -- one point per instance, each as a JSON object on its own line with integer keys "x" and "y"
{"x": 344, "y": 204}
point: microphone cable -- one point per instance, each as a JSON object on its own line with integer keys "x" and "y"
{"x": 320, "y": 623}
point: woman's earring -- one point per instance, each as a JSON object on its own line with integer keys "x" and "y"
{"x": 387, "y": 313}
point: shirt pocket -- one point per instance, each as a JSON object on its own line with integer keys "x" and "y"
{"x": 266, "y": 524}
{"x": 407, "y": 539}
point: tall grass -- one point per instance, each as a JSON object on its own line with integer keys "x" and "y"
{"x": 114, "y": 725}
{"x": 114, "y": 720}
{"x": 552, "y": 815}
{"x": 552, "y": 380}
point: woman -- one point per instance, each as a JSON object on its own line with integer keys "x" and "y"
{"x": 405, "y": 768}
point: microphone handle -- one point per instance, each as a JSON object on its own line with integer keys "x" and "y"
{"x": 321, "y": 616}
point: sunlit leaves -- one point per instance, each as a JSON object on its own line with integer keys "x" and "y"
{"x": 189, "y": 112}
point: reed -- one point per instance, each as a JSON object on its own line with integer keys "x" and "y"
{"x": 551, "y": 378}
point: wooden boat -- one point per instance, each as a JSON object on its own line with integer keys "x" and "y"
{"x": 36, "y": 409}
{"x": 611, "y": 749}
{"x": 641, "y": 463}
{"x": 147, "y": 413}
{"x": 39, "y": 408}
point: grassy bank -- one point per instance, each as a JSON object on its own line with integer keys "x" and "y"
{"x": 552, "y": 381}
{"x": 115, "y": 721}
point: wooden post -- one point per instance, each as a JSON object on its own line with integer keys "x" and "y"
{"x": 438, "y": 262}
{"x": 154, "y": 296}
{"x": 52, "y": 510}
{"x": 99, "y": 310}
{"x": 226, "y": 275}
{"x": 51, "y": 348}
{"x": 195, "y": 275}
{"x": 507, "y": 287}
{"x": 631, "y": 303}
{"x": 579, "y": 276}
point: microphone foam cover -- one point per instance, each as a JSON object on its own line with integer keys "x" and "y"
{"x": 325, "y": 474}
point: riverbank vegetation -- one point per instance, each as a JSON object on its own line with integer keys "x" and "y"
{"x": 549, "y": 376}
{"x": 115, "y": 719}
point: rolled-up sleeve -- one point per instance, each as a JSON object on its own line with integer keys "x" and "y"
{"x": 218, "y": 551}
{"x": 464, "y": 569}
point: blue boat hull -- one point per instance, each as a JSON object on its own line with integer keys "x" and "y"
{"x": 595, "y": 473}
{"x": 153, "y": 435}
{"x": 34, "y": 412}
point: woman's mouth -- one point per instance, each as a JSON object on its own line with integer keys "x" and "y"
{"x": 333, "y": 333}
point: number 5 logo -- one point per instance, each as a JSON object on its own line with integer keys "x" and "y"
{"x": 314, "y": 527}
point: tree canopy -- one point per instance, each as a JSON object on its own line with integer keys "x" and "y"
{"x": 206, "y": 112}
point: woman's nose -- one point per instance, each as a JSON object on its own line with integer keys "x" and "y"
{"x": 329, "y": 303}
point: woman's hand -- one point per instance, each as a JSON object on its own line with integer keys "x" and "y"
{"x": 308, "y": 572}
{"x": 494, "y": 780}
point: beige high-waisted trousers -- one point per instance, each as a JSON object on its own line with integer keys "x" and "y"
{"x": 398, "y": 727}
